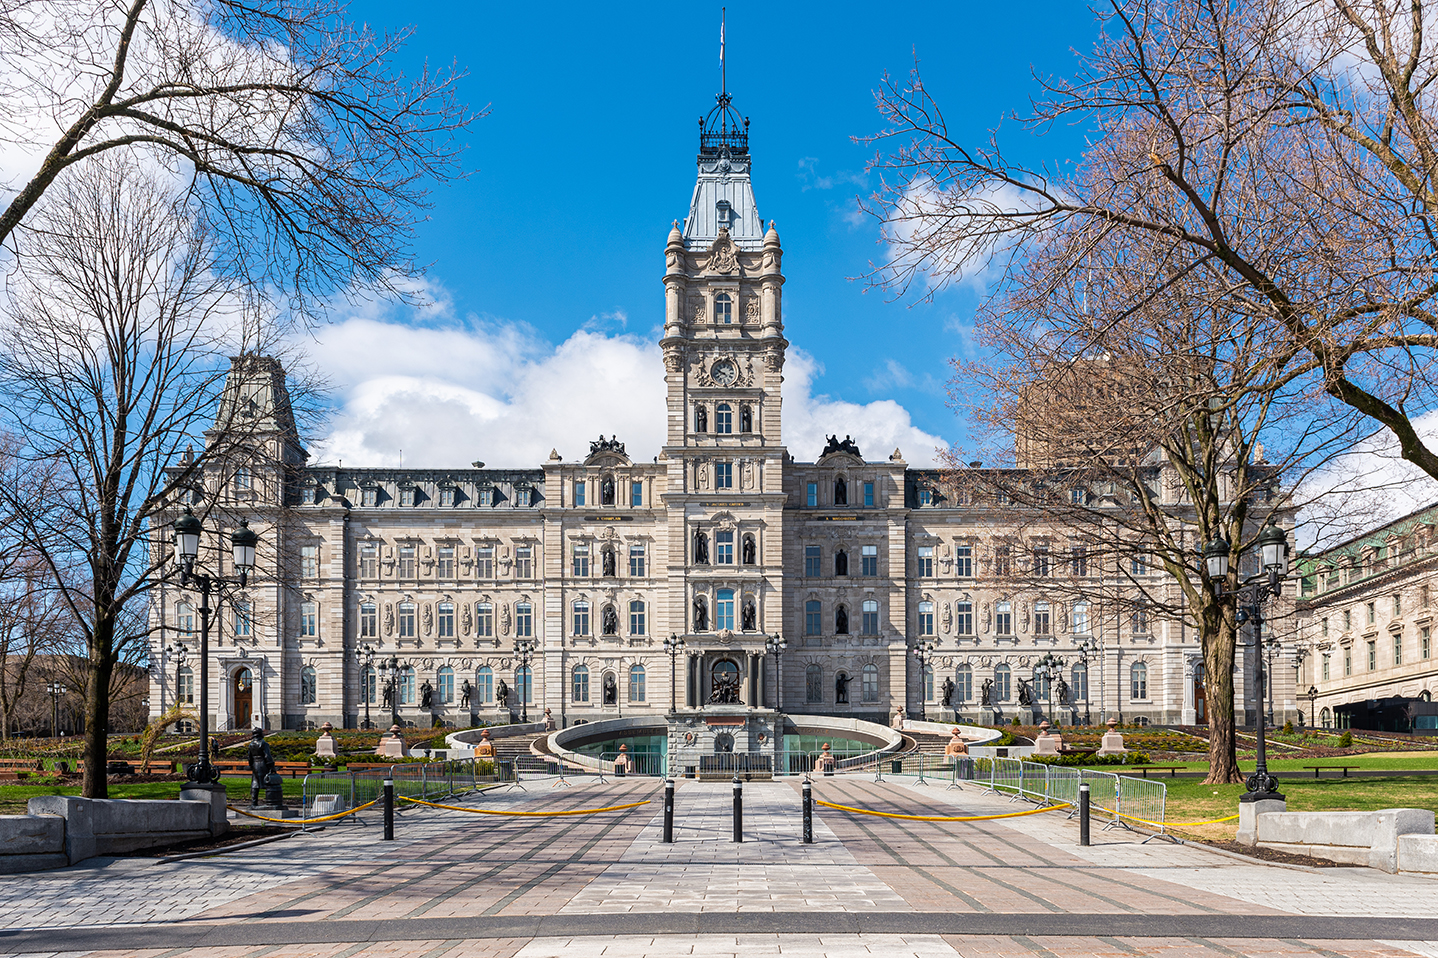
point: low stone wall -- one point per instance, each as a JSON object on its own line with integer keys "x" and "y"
{"x": 1358, "y": 838}
{"x": 61, "y": 830}
{"x": 1418, "y": 854}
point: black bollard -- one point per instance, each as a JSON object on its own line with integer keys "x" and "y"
{"x": 738, "y": 810}
{"x": 808, "y": 812}
{"x": 668, "y": 838}
{"x": 1083, "y": 814}
{"x": 389, "y": 809}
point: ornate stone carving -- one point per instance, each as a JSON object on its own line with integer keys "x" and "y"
{"x": 723, "y": 258}
{"x": 673, "y": 362}
{"x": 389, "y": 618}
{"x": 612, "y": 444}
{"x": 465, "y": 621}
{"x": 428, "y": 619}
{"x": 946, "y": 617}
{"x": 751, "y": 311}
{"x": 504, "y": 618}
{"x": 987, "y": 617}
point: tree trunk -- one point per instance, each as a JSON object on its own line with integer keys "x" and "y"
{"x": 97, "y": 708}
{"x": 1219, "y": 631}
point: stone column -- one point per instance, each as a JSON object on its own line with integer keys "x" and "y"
{"x": 753, "y": 678}
{"x": 1189, "y": 715}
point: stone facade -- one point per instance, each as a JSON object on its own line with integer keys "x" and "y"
{"x": 723, "y": 540}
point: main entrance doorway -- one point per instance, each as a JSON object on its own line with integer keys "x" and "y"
{"x": 243, "y": 697}
{"x": 1200, "y": 710}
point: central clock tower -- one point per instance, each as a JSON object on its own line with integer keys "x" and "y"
{"x": 723, "y": 359}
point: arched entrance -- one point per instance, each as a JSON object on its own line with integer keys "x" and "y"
{"x": 242, "y": 695}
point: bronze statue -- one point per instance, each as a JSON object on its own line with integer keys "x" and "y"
{"x": 606, "y": 491}
{"x": 1026, "y": 694}
{"x": 748, "y": 550}
{"x": 987, "y": 692}
{"x": 841, "y": 621}
{"x": 501, "y": 694}
{"x": 701, "y": 419}
{"x": 1063, "y": 691}
{"x": 948, "y": 690}
{"x": 466, "y": 692}
{"x": 747, "y": 623}
{"x": 426, "y": 695}
{"x": 725, "y": 691}
{"x": 611, "y": 621}
{"x": 701, "y": 548}
{"x": 701, "y": 614}
{"x": 611, "y": 690}
{"x": 262, "y": 764}
{"x": 746, "y": 419}
{"x": 841, "y": 689}
{"x": 841, "y": 563}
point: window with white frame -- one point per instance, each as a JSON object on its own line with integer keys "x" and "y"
{"x": 636, "y": 560}
{"x": 185, "y": 687}
{"x": 579, "y": 492}
{"x": 813, "y": 559}
{"x": 309, "y": 683}
{"x": 581, "y": 560}
{"x": 523, "y": 619}
{"x": 1042, "y": 623}
{"x": 723, "y": 309}
{"x": 869, "y": 560}
{"x": 579, "y": 683}
{"x": 309, "y": 562}
{"x": 636, "y": 683}
{"x": 1080, "y": 618}
{"x": 1138, "y": 681}
{"x": 925, "y": 562}
{"x": 407, "y": 561}
{"x": 444, "y": 685}
{"x": 524, "y": 562}
{"x": 813, "y": 685}
{"x": 483, "y": 685}
{"x": 964, "y": 618}
{"x": 369, "y": 620}
{"x": 964, "y": 683}
{"x": 369, "y": 561}
{"x": 724, "y": 419}
{"x": 243, "y": 619}
{"x": 636, "y": 617}
{"x": 723, "y": 475}
{"x": 444, "y": 620}
{"x": 185, "y": 618}
{"x": 1004, "y": 618}
{"x": 444, "y": 562}
{"x": 724, "y": 610}
{"x": 1003, "y": 683}
{"x": 484, "y": 619}
{"x": 964, "y": 562}
{"x": 869, "y": 682}
{"x": 406, "y": 620}
{"x": 813, "y": 617}
{"x": 309, "y": 619}
{"x": 581, "y": 617}
{"x": 926, "y": 618}
{"x": 406, "y": 685}
{"x": 724, "y": 548}
{"x": 869, "y": 623}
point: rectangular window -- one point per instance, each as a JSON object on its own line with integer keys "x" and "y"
{"x": 1372, "y": 656}
{"x": 579, "y": 501}
{"x": 523, "y": 496}
{"x": 926, "y": 562}
{"x": 869, "y": 494}
{"x": 1323, "y": 627}
{"x": 1425, "y": 643}
{"x": 869, "y": 560}
{"x": 636, "y": 560}
{"x": 484, "y": 620}
{"x": 581, "y": 684}
{"x": 524, "y": 562}
{"x": 369, "y": 497}
{"x": 724, "y": 609}
{"x": 926, "y": 618}
{"x": 406, "y": 620}
{"x": 964, "y": 561}
{"x": 309, "y": 619}
{"x": 812, "y": 561}
{"x": 242, "y": 479}
{"x": 723, "y": 475}
{"x": 243, "y": 618}
{"x": 811, "y": 497}
{"x": 581, "y": 618}
{"x": 369, "y": 620}
{"x": 1423, "y": 597}
{"x": 1080, "y": 618}
{"x": 636, "y": 618}
{"x": 1078, "y": 560}
{"x": 636, "y": 494}
{"x": 581, "y": 560}
{"x": 444, "y": 620}
{"x": 636, "y": 683}
{"x": 1397, "y": 604}
{"x": 1138, "y": 565}
{"x": 1042, "y": 625}
{"x": 723, "y": 548}
{"x": 406, "y": 562}
{"x": 964, "y": 618}
{"x": 1041, "y": 563}
{"x": 869, "y": 683}
{"x": 523, "y": 619}
{"x": 486, "y": 496}
{"x": 814, "y": 685}
{"x": 1139, "y": 690}
{"x": 1138, "y": 622}
{"x": 1347, "y": 620}
{"x": 484, "y": 562}
{"x": 1004, "y": 618}
{"x": 1327, "y": 665}
{"x": 1003, "y": 562}
{"x": 446, "y": 501}
{"x": 869, "y": 625}
{"x": 1347, "y": 661}
{"x": 813, "y": 618}
{"x": 1371, "y": 609}
{"x": 310, "y": 562}
{"x": 369, "y": 561}
{"x": 926, "y": 496}
{"x": 1398, "y": 649}
{"x": 444, "y": 564}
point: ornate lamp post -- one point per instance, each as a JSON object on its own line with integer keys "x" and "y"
{"x": 923, "y": 648}
{"x": 391, "y": 665}
{"x": 181, "y": 655}
{"x": 673, "y": 645}
{"x": 1052, "y": 668}
{"x": 1089, "y": 647}
{"x": 243, "y": 542}
{"x": 524, "y": 651}
{"x": 1248, "y": 597}
{"x": 365, "y": 657}
{"x": 776, "y": 645}
{"x": 1313, "y": 706}
{"x": 56, "y": 690}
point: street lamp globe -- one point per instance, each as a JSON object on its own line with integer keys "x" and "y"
{"x": 242, "y": 544}
{"x": 1215, "y": 555}
{"x": 187, "y": 537}
{"x": 1274, "y": 546}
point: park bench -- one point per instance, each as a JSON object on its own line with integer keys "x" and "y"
{"x": 22, "y": 764}
{"x": 292, "y": 769}
{"x": 1319, "y": 768}
{"x": 1172, "y": 770}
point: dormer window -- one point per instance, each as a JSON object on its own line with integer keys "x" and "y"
{"x": 369, "y": 496}
{"x": 406, "y": 495}
{"x": 723, "y": 309}
{"x": 446, "y": 497}
{"x": 724, "y": 215}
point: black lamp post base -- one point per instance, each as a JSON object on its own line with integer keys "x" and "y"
{"x": 1269, "y": 796}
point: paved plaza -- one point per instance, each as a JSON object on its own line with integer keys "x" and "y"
{"x": 458, "y": 884}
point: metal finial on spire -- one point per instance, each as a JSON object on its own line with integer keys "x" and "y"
{"x": 723, "y": 130}
{"x": 723, "y": 70}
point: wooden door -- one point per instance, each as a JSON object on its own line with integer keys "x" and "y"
{"x": 243, "y": 697}
{"x": 1200, "y": 709}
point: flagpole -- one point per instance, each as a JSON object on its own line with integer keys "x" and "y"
{"x": 723, "y": 69}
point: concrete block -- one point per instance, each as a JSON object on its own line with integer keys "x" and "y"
{"x": 1389, "y": 825}
{"x": 78, "y": 814}
{"x": 18, "y": 864}
{"x": 123, "y": 816}
{"x": 1418, "y": 853}
{"x": 31, "y": 835}
{"x": 215, "y": 799}
{"x": 1362, "y": 838}
{"x": 1248, "y": 813}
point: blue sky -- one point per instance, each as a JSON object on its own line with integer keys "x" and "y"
{"x": 588, "y": 155}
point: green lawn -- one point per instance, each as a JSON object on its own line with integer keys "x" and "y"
{"x": 1370, "y": 760}
{"x": 14, "y": 798}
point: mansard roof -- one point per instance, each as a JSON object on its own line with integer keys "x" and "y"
{"x": 723, "y": 194}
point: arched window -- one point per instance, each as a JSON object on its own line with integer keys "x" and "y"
{"x": 484, "y": 685}
{"x": 723, "y": 309}
{"x": 445, "y": 683}
{"x": 368, "y": 686}
{"x": 724, "y": 609}
{"x": 869, "y": 682}
{"x": 636, "y": 617}
{"x": 964, "y": 684}
{"x": 814, "y": 685}
{"x": 185, "y": 690}
{"x": 308, "y": 691}
{"x": 1002, "y": 684}
{"x": 636, "y": 683}
{"x": 185, "y": 617}
{"x": 1078, "y": 687}
{"x": 524, "y": 684}
{"x": 1138, "y": 681}
{"x": 406, "y": 685}
{"x": 1042, "y": 687}
{"x": 1325, "y": 718}
{"x": 841, "y": 492}
{"x": 926, "y": 618}
{"x": 723, "y": 419}
{"x": 406, "y": 620}
{"x": 579, "y": 683}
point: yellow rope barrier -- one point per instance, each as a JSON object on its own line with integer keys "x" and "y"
{"x": 1144, "y": 821}
{"x": 303, "y": 821}
{"x": 495, "y": 811}
{"x": 942, "y": 818}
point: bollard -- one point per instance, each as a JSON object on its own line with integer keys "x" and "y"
{"x": 389, "y": 809}
{"x": 668, "y": 838}
{"x": 738, "y": 810}
{"x": 1083, "y": 814}
{"x": 808, "y": 812}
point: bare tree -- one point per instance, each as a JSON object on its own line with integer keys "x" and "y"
{"x": 112, "y": 358}
{"x": 303, "y": 148}
{"x": 1278, "y": 155}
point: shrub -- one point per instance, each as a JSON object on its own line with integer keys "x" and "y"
{"x": 1345, "y": 740}
{"x": 1287, "y": 728}
{"x": 1016, "y": 721}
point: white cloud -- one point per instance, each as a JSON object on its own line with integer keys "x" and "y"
{"x": 494, "y": 391}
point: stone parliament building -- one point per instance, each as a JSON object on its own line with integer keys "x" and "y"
{"x": 724, "y": 540}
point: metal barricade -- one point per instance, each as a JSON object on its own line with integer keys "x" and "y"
{"x": 1103, "y": 793}
{"x": 1006, "y": 776}
{"x": 1063, "y": 786}
{"x": 714, "y": 766}
{"x": 1033, "y": 781}
{"x": 648, "y": 764}
{"x": 1143, "y": 800}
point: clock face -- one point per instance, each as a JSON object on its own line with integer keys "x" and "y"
{"x": 724, "y": 372}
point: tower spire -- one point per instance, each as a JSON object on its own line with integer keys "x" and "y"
{"x": 723, "y": 70}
